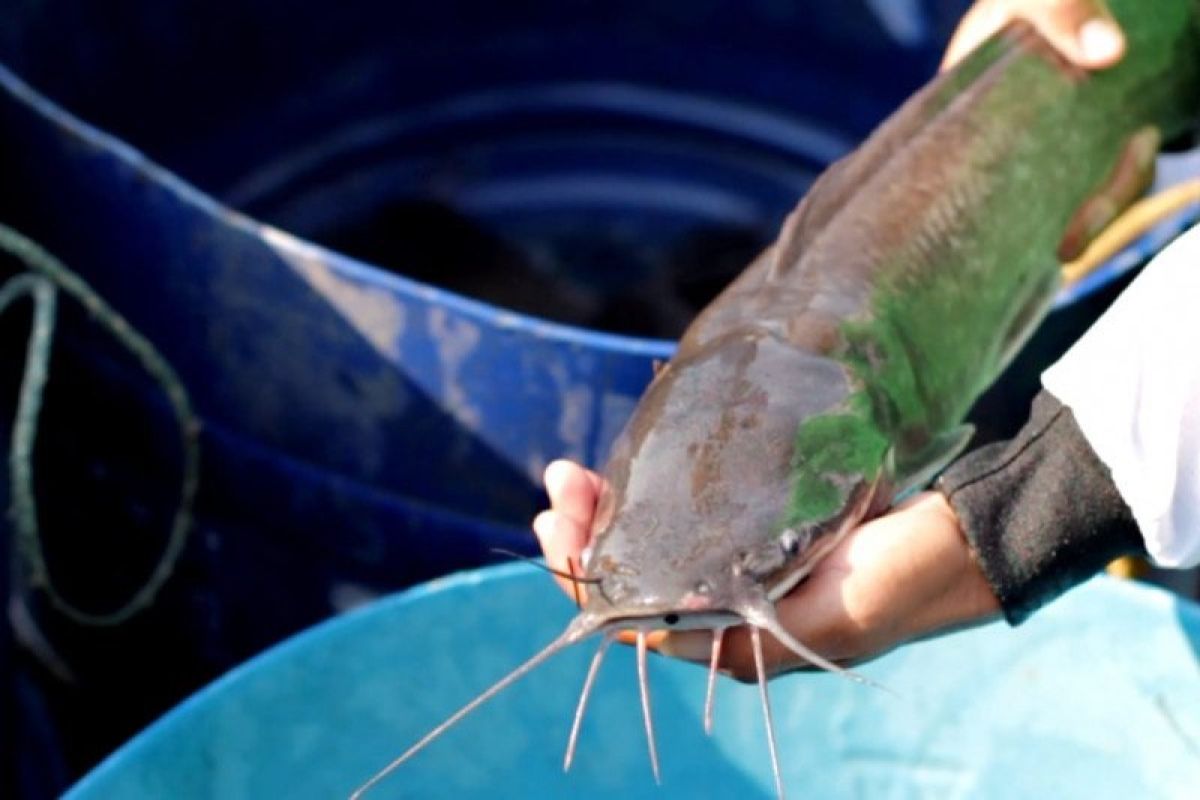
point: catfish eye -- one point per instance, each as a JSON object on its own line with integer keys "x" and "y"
{"x": 671, "y": 619}
{"x": 792, "y": 541}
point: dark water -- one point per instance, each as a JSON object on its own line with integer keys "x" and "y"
{"x": 576, "y": 274}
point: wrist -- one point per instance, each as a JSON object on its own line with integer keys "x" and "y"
{"x": 961, "y": 596}
{"x": 1041, "y": 512}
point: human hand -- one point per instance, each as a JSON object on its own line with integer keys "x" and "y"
{"x": 1083, "y": 31}
{"x": 906, "y": 575}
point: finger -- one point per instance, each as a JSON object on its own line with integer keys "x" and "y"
{"x": 654, "y": 640}
{"x": 573, "y": 491}
{"x": 737, "y": 658}
{"x": 561, "y": 538}
{"x": 694, "y": 646}
{"x": 981, "y": 21}
{"x": 563, "y": 469}
{"x": 1082, "y": 31}
{"x": 594, "y": 478}
{"x": 737, "y": 654}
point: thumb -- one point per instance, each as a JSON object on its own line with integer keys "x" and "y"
{"x": 1082, "y": 31}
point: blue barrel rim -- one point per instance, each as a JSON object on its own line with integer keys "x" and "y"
{"x": 477, "y": 310}
{"x": 354, "y": 269}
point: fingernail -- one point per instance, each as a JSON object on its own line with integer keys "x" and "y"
{"x": 543, "y": 524}
{"x": 1099, "y": 40}
{"x": 554, "y": 476}
{"x": 688, "y": 645}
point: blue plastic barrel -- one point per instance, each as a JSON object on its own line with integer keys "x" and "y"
{"x": 364, "y": 430}
{"x": 1096, "y": 697}
{"x": 185, "y": 158}
{"x": 606, "y": 149}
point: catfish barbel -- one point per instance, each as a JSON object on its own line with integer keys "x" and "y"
{"x": 835, "y": 373}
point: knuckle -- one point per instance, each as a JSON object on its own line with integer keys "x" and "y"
{"x": 741, "y": 668}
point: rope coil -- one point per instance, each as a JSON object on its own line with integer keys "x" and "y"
{"x": 46, "y": 276}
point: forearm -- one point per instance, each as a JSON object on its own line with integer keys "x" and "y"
{"x": 1041, "y": 511}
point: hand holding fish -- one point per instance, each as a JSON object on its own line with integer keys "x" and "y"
{"x": 900, "y": 577}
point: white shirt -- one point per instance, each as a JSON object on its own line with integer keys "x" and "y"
{"x": 1133, "y": 384}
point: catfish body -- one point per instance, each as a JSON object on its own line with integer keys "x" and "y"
{"x": 835, "y": 372}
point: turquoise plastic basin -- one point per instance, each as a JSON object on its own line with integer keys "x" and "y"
{"x": 1098, "y": 696}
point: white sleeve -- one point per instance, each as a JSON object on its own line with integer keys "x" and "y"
{"x": 1133, "y": 384}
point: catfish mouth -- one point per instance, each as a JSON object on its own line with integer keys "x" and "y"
{"x": 617, "y": 603}
{"x": 668, "y": 618}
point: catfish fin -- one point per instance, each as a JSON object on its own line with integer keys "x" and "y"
{"x": 1129, "y": 180}
{"x": 913, "y": 471}
{"x": 1039, "y": 296}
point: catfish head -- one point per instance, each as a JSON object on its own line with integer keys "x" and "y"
{"x": 696, "y": 526}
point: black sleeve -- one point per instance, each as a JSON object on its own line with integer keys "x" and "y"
{"x": 1040, "y": 511}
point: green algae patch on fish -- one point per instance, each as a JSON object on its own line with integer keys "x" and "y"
{"x": 831, "y": 452}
